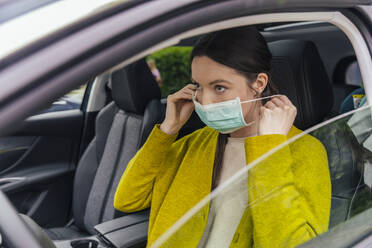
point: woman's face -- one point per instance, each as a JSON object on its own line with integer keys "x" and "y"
{"x": 217, "y": 83}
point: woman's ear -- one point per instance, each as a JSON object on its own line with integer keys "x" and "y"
{"x": 260, "y": 84}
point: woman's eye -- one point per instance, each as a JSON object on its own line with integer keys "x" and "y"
{"x": 220, "y": 88}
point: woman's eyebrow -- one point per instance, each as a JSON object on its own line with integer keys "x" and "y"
{"x": 214, "y": 81}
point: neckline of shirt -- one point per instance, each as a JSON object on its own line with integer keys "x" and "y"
{"x": 241, "y": 139}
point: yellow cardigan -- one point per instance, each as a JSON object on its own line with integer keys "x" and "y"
{"x": 289, "y": 193}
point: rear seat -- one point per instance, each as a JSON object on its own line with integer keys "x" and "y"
{"x": 342, "y": 88}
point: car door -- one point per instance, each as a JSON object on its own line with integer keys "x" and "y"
{"x": 67, "y": 72}
{"x": 38, "y": 160}
{"x": 339, "y": 215}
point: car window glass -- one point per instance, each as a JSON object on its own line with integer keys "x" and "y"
{"x": 71, "y": 100}
{"x": 314, "y": 182}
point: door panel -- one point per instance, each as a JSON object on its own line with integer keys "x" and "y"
{"x": 37, "y": 165}
{"x": 12, "y": 148}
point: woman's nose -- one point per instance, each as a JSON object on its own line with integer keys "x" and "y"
{"x": 204, "y": 99}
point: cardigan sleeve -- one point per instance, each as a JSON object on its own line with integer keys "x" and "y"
{"x": 136, "y": 184}
{"x": 289, "y": 192}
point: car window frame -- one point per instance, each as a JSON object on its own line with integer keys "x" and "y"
{"x": 70, "y": 71}
{"x": 64, "y": 77}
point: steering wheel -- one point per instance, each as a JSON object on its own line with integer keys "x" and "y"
{"x": 18, "y": 232}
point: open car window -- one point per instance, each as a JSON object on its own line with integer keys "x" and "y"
{"x": 70, "y": 101}
{"x": 171, "y": 68}
{"x": 313, "y": 184}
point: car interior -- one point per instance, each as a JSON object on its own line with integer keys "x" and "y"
{"x": 63, "y": 167}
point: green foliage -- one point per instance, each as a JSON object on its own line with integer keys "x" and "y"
{"x": 173, "y": 64}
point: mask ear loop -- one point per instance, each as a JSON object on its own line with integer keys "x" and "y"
{"x": 194, "y": 96}
{"x": 252, "y": 100}
{"x": 254, "y": 107}
{"x": 195, "y": 101}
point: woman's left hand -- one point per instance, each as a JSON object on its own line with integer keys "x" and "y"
{"x": 277, "y": 116}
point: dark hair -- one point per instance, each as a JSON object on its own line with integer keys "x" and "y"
{"x": 243, "y": 49}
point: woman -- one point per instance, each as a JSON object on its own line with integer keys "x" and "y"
{"x": 288, "y": 199}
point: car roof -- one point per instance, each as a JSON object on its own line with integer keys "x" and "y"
{"x": 24, "y": 16}
{"x": 45, "y": 19}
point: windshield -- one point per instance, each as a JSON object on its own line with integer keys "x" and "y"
{"x": 315, "y": 181}
{"x": 10, "y": 9}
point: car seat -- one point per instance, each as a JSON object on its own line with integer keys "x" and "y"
{"x": 121, "y": 128}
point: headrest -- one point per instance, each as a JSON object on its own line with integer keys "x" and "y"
{"x": 133, "y": 87}
{"x": 299, "y": 73}
{"x": 347, "y": 72}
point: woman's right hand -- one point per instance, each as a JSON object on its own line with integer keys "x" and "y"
{"x": 179, "y": 109}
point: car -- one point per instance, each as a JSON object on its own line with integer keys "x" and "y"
{"x": 62, "y": 157}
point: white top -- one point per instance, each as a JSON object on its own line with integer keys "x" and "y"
{"x": 228, "y": 207}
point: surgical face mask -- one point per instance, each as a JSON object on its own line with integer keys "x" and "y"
{"x": 225, "y": 117}
{"x": 360, "y": 124}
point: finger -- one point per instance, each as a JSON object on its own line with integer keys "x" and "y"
{"x": 190, "y": 86}
{"x": 278, "y": 102}
{"x": 270, "y": 105}
{"x": 189, "y": 104}
{"x": 264, "y": 111}
{"x": 288, "y": 103}
{"x": 188, "y": 91}
{"x": 184, "y": 95}
{"x": 285, "y": 99}
{"x": 181, "y": 91}
{"x": 179, "y": 95}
